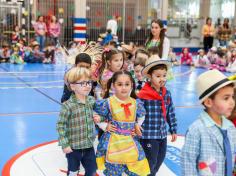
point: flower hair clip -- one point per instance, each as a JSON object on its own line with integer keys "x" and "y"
{"x": 107, "y": 50}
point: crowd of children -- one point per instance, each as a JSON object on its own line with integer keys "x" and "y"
{"x": 122, "y": 92}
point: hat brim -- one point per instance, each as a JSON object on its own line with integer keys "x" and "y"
{"x": 152, "y": 64}
{"x": 216, "y": 89}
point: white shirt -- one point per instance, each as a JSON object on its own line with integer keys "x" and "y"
{"x": 112, "y": 24}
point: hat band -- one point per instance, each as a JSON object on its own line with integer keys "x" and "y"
{"x": 213, "y": 87}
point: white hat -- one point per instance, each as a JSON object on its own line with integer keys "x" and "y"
{"x": 209, "y": 82}
{"x": 153, "y": 61}
{"x": 213, "y": 49}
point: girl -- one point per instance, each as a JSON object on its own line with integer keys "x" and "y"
{"x": 112, "y": 61}
{"x": 119, "y": 152}
{"x": 15, "y": 35}
{"x": 232, "y": 62}
{"x": 186, "y": 57}
{"x": 54, "y": 30}
{"x": 40, "y": 31}
{"x": 157, "y": 38}
{"x": 202, "y": 60}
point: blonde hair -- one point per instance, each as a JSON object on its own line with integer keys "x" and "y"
{"x": 75, "y": 74}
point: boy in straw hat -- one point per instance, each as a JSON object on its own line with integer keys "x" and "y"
{"x": 210, "y": 142}
{"x": 160, "y": 112}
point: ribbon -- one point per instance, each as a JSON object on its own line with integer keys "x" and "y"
{"x": 126, "y": 109}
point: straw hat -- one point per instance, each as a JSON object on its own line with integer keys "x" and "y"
{"x": 153, "y": 61}
{"x": 127, "y": 48}
{"x": 35, "y": 43}
{"x": 209, "y": 82}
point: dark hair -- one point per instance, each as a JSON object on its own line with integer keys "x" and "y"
{"x": 226, "y": 23}
{"x": 106, "y": 56}
{"x": 208, "y": 18}
{"x": 141, "y": 50}
{"x": 113, "y": 80}
{"x": 212, "y": 96}
{"x": 109, "y": 31}
{"x": 139, "y": 61}
{"x": 153, "y": 50}
{"x": 162, "y": 35}
{"x": 157, "y": 67}
{"x": 83, "y": 57}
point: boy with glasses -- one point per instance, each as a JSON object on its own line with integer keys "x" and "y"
{"x": 75, "y": 126}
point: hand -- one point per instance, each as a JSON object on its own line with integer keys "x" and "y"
{"x": 138, "y": 129}
{"x": 67, "y": 150}
{"x": 173, "y": 137}
{"x": 110, "y": 128}
{"x": 96, "y": 118}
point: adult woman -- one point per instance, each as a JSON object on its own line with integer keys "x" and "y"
{"x": 224, "y": 33}
{"x": 40, "y": 31}
{"x": 208, "y": 32}
{"x": 157, "y": 38}
{"x": 54, "y": 30}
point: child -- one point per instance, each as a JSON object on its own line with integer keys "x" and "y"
{"x": 202, "y": 60}
{"x": 211, "y": 55}
{"x": 5, "y": 52}
{"x": 75, "y": 126}
{"x": 15, "y": 35}
{"x": 112, "y": 61}
{"x": 119, "y": 152}
{"x": 232, "y": 62}
{"x": 186, "y": 57}
{"x": 139, "y": 64}
{"x": 15, "y": 57}
{"x": 81, "y": 60}
{"x": 160, "y": 112}
{"x": 210, "y": 142}
{"x": 172, "y": 57}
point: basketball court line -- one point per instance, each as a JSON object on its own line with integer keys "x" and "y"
{"x": 29, "y": 85}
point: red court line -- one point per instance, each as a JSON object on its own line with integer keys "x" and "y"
{"x": 7, "y": 167}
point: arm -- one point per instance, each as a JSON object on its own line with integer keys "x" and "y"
{"x": 62, "y": 127}
{"x": 190, "y": 153}
{"x": 170, "y": 116}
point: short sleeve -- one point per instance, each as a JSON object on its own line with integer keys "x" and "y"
{"x": 141, "y": 112}
{"x": 101, "y": 107}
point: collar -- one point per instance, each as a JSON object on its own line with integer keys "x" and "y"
{"x": 75, "y": 100}
{"x": 209, "y": 122}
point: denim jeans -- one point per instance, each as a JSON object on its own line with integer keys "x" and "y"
{"x": 41, "y": 40}
{"x": 86, "y": 157}
{"x": 155, "y": 151}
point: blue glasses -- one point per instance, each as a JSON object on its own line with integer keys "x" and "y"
{"x": 84, "y": 83}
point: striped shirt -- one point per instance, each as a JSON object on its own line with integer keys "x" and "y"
{"x": 75, "y": 125}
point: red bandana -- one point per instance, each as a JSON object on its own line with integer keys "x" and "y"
{"x": 148, "y": 93}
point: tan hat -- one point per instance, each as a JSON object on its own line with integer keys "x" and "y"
{"x": 127, "y": 48}
{"x": 209, "y": 82}
{"x": 153, "y": 61}
{"x": 35, "y": 43}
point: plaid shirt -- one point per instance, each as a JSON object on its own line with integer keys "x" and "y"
{"x": 204, "y": 147}
{"x": 75, "y": 125}
{"x": 154, "y": 125}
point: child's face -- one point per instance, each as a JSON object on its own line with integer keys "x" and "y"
{"x": 84, "y": 64}
{"x": 138, "y": 73}
{"x": 223, "y": 102}
{"x": 123, "y": 86}
{"x": 201, "y": 53}
{"x": 185, "y": 51}
{"x": 82, "y": 86}
{"x": 158, "y": 78}
{"x": 116, "y": 62}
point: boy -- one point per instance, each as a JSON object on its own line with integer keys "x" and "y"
{"x": 81, "y": 60}
{"x": 210, "y": 142}
{"x": 139, "y": 64}
{"x": 160, "y": 112}
{"x": 75, "y": 125}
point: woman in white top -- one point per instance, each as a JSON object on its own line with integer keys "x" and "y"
{"x": 157, "y": 38}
